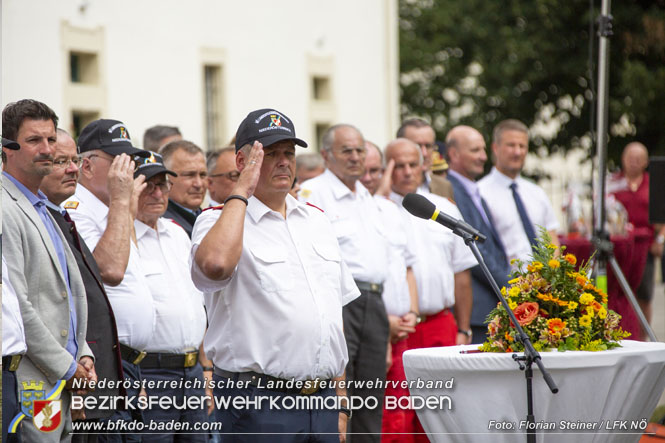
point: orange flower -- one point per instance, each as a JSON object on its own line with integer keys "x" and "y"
{"x": 581, "y": 280}
{"x": 570, "y": 258}
{"x": 526, "y": 312}
{"x": 553, "y": 264}
{"x": 555, "y": 325}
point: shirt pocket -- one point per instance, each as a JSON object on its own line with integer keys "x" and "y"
{"x": 328, "y": 268}
{"x": 272, "y": 268}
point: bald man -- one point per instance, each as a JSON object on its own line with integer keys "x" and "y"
{"x": 631, "y": 188}
{"x": 466, "y": 151}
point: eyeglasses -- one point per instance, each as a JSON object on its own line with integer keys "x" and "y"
{"x": 163, "y": 186}
{"x": 63, "y": 162}
{"x": 231, "y": 175}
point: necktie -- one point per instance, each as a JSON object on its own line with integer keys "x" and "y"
{"x": 526, "y": 223}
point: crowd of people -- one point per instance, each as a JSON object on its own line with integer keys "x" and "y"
{"x": 302, "y": 269}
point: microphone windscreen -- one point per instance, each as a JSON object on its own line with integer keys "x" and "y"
{"x": 418, "y": 205}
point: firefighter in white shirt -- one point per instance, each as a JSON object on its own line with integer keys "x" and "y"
{"x": 274, "y": 285}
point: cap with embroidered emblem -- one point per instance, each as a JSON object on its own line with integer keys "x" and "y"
{"x": 110, "y": 136}
{"x": 267, "y": 126}
{"x": 151, "y": 166}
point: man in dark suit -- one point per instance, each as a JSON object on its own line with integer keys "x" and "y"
{"x": 102, "y": 335}
{"x": 467, "y": 157}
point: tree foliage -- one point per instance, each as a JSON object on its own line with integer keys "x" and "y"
{"x": 477, "y": 62}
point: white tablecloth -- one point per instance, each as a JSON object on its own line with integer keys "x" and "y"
{"x": 594, "y": 387}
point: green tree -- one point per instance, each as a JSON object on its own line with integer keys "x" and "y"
{"x": 477, "y": 62}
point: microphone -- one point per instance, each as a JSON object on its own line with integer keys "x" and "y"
{"x": 420, "y": 207}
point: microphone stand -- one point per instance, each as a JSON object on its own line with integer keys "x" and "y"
{"x": 530, "y": 354}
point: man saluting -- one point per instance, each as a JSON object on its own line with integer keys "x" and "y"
{"x": 274, "y": 285}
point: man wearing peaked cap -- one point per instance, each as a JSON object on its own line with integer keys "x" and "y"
{"x": 274, "y": 286}
{"x": 180, "y": 318}
{"x": 103, "y": 208}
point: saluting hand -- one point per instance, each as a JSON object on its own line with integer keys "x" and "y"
{"x": 120, "y": 179}
{"x": 250, "y": 172}
{"x": 139, "y": 184}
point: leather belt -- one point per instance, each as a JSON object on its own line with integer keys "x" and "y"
{"x": 376, "y": 288}
{"x": 159, "y": 360}
{"x": 11, "y": 362}
{"x": 271, "y": 383}
{"x": 131, "y": 355}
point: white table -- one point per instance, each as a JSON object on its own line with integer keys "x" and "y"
{"x": 594, "y": 387}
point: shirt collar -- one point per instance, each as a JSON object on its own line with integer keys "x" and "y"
{"x": 143, "y": 229}
{"x": 257, "y": 209}
{"x": 340, "y": 190}
{"x": 96, "y": 207}
{"x": 35, "y": 200}
{"x": 503, "y": 179}
{"x": 179, "y": 206}
{"x": 55, "y": 207}
{"x": 470, "y": 186}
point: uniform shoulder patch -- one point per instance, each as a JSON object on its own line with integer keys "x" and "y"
{"x": 313, "y": 206}
{"x": 305, "y": 193}
{"x": 214, "y": 207}
{"x": 71, "y": 204}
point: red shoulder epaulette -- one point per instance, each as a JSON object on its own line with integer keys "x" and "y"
{"x": 214, "y": 207}
{"x": 314, "y": 206}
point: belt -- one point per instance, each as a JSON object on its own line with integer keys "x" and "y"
{"x": 424, "y": 318}
{"x": 273, "y": 383}
{"x": 158, "y": 360}
{"x": 131, "y": 355}
{"x": 10, "y": 362}
{"x": 376, "y": 288}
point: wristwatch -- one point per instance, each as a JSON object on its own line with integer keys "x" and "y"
{"x": 468, "y": 333}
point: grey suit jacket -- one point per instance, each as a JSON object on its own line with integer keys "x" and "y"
{"x": 40, "y": 285}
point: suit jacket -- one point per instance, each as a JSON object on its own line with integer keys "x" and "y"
{"x": 35, "y": 273}
{"x": 484, "y": 299}
{"x": 441, "y": 186}
{"x": 184, "y": 218}
{"x": 102, "y": 335}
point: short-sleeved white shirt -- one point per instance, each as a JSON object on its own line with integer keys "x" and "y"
{"x": 180, "y": 318}
{"x": 280, "y": 313}
{"x": 495, "y": 189}
{"x": 131, "y": 300}
{"x": 357, "y": 223}
{"x": 401, "y": 255}
{"x": 440, "y": 255}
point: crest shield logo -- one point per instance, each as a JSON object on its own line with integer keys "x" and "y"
{"x": 48, "y": 415}
{"x": 275, "y": 120}
{"x": 31, "y": 391}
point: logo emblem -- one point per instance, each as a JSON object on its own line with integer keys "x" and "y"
{"x": 47, "y": 415}
{"x": 275, "y": 120}
{"x": 123, "y": 133}
{"x": 31, "y": 391}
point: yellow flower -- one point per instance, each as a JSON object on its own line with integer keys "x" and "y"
{"x": 585, "y": 321}
{"x": 512, "y": 305}
{"x": 503, "y": 291}
{"x": 537, "y": 265}
{"x": 553, "y": 264}
{"x": 586, "y": 298}
{"x": 570, "y": 258}
{"x": 513, "y": 281}
{"x": 514, "y": 291}
{"x": 602, "y": 313}
{"x": 513, "y": 261}
{"x": 572, "y": 305}
{"x": 551, "y": 246}
{"x": 589, "y": 311}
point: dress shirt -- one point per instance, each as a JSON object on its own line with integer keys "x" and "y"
{"x": 180, "y": 318}
{"x": 395, "y": 294}
{"x": 13, "y": 334}
{"x": 495, "y": 189}
{"x": 39, "y": 203}
{"x": 473, "y": 190}
{"x": 357, "y": 223}
{"x": 131, "y": 300}
{"x": 280, "y": 313}
{"x": 440, "y": 255}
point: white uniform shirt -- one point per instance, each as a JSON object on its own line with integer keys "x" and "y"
{"x": 13, "y": 334}
{"x": 180, "y": 318}
{"x": 131, "y": 299}
{"x": 495, "y": 189}
{"x": 280, "y": 313}
{"x": 395, "y": 289}
{"x": 357, "y": 223}
{"x": 440, "y": 255}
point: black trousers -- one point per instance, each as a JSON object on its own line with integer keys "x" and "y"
{"x": 10, "y": 405}
{"x": 366, "y": 330}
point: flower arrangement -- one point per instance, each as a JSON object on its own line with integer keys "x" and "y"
{"x": 556, "y": 305}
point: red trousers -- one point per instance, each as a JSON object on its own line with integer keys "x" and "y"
{"x": 437, "y": 330}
